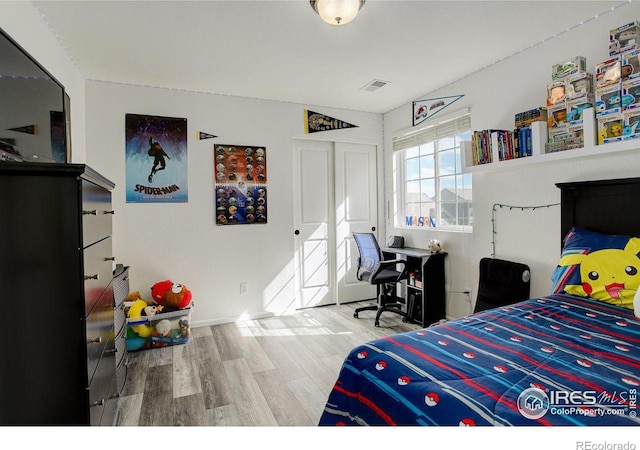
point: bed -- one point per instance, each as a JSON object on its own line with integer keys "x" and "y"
{"x": 570, "y": 358}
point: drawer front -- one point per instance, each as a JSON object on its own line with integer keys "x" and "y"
{"x": 99, "y": 325}
{"x": 110, "y": 412}
{"x": 98, "y": 270}
{"x": 96, "y": 213}
{"x": 119, "y": 317}
{"x": 102, "y": 386}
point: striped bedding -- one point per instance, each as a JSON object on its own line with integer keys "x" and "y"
{"x": 556, "y": 360}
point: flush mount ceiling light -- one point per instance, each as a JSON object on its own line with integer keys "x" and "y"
{"x": 337, "y": 12}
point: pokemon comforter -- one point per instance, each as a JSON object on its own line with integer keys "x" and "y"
{"x": 556, "y": 360}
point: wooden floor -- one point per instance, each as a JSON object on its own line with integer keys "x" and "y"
{"x": 269, "y": 372}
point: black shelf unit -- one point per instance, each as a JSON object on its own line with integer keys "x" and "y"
{"x": 425, "y": 293}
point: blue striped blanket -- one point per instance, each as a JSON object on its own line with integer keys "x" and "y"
{"x": 557, "y": 360}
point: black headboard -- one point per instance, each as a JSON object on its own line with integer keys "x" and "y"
{"x": 607, "y": 206}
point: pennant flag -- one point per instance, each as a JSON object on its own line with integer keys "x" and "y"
{"x": 29, "y": 129}
{"x": 314, "y": 122}
{"x": 202, "y": 136}
{"x": 424, "y": 109}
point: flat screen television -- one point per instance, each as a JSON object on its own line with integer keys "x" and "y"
{"x": 34, "y": 109}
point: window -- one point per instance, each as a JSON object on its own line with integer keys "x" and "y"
{"x": 431, "y": 190}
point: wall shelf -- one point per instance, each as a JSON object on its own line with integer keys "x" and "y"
{"x": 539, "y": 155}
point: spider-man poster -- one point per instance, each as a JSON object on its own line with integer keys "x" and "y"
{"x": 156, "y": 159}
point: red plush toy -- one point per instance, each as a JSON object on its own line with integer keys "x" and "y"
{"x": 170, "y": 294}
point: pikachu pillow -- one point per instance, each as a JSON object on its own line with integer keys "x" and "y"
{"x": 603, "y": 267}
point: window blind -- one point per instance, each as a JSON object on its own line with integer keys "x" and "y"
{"x": 433, "y": 132}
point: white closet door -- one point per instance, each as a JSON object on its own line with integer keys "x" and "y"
{"x": 335, "y": 193}
{"x": 356, "y": 211}
{"x": 314, "y": 216}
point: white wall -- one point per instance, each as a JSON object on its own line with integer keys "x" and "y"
{"x": 23, "y": 23}
{"x": 213, "y": 260}
{"x": 181, "y": 242}
{"x": 495, "y": 95}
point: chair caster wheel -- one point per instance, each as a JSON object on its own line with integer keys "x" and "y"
{"x": 355, "y": 314}
{"x": 377, "y": 324}
{"x": 405, "y": 320}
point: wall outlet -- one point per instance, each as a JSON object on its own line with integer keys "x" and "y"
{"x": 244, "y": 288}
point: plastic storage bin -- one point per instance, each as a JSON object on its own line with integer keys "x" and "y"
{"x": 160, "y": 330}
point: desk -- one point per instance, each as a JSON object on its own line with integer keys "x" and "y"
{"x": 424, "y": 294}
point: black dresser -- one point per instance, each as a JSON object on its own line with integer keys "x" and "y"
{"x": 57, "y": 312}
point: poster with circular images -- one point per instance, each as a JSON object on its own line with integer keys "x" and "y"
{"x": 240, "y": 174}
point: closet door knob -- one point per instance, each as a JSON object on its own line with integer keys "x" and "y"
{"x": 91, "y": 277}
{"x": 91, "y": 212}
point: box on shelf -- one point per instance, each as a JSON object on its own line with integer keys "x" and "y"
{"x": 630, "y": 99}
{"x": 556, "y": 135}
{"x": 610, "y": 129}
{"x": 575, "y": 109}
{"x": 630, "y": 64}
{"x": 608, "y": 73}
{"x": 525, "y": 118}
{"x": 608, "y": 101}
{"x": 558, "y": 117}
{"x": 579, "y": 86}
{"x": 556, "y": 92}
{"x": 567, "y": 68}
{"x": 159, "y": 330}
{"x": 624, "y": 38}
{"x": 630, "y": 121}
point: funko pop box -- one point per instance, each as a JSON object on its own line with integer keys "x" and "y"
{"x": 630, "y": 99}
{"x": 630, "y": 62}
{"x": 631, "y": 125}
{"x": 608, "y": 73}
{"x": 567, "y": 68}
{"x": 624, "y": 38}
{"x": 580, "y": 85}
{"x": 159, "y": 330}
{"x": 556, "y": 93}
{"x": 610, "y": 129}
{"x": 576, "y": 109}
{"x": 608, "y": 100}
{"x": 557, "y": 117}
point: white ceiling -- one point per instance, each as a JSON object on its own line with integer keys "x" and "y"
{"x": 281, "y": 50}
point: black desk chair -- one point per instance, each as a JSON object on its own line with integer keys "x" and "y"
{"x": 374, "y": 269}
{"x": 501, "y": 283}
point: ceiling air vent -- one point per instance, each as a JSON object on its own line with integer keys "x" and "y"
{"x": 374, "y": 85}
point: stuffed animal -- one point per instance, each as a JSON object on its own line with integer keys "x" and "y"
{"x": 636, "y": 304}
{"x": 435, "y": 246}
{"x": 170, "y": 294}
{"x": 163, "y": 327}
{"x": 137, "y": 310}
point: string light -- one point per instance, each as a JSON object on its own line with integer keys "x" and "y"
{"x": 511, "y": 207}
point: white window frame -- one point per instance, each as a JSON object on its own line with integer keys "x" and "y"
{"x": 447, "y": 126}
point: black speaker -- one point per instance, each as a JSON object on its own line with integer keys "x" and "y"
{"x": 395, "y": 242}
